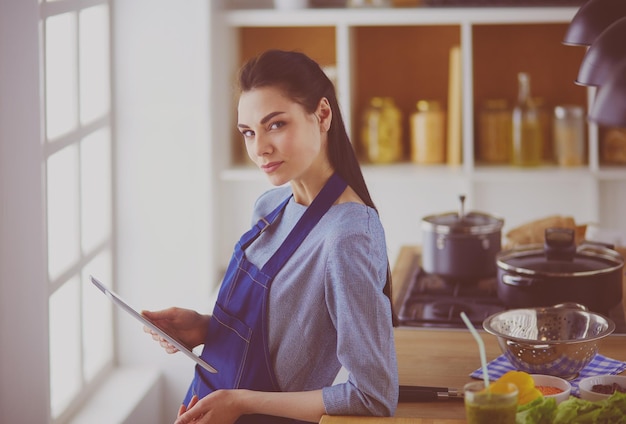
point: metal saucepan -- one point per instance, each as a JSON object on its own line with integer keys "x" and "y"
{"x": 589, "y": 274}
{"x": 461, "y": 246}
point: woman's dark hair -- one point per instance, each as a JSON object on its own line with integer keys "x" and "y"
{"x": 302, "y": 79}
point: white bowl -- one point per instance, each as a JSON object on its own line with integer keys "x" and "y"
{"x": 586, "y": 384}
{"x": 552, "y": 381}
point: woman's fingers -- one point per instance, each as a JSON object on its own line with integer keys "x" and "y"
{"x": 193, "y": 401}
{"x": 169, "y": 348}
{"x": 183, "y": 408}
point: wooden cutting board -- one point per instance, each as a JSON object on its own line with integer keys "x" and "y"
{"x": 374, "y": 420}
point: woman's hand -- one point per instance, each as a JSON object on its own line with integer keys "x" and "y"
{"x": 226, "y": 406}
{"x": 185, "y": 325}
{"x": 219, "y": 407}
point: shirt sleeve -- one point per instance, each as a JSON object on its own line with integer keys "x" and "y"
{"x": 355, "y": 276}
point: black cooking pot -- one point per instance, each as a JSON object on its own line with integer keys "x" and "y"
{"x": 459, "y": 246}
{"x": 559, "y": 272}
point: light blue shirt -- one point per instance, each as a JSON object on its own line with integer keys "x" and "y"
{"x": 327, "y": 307}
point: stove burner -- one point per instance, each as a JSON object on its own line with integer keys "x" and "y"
{"x": 428, "y": 300}
{"x": 433, "y": 301}
{"x": 444, "y": 310}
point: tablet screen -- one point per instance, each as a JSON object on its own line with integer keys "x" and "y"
{"x": 126, "y": 307}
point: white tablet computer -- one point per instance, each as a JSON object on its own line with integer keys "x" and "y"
{"x": 125, "y": 306}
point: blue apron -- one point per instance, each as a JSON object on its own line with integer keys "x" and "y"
{"x": 237, "y": 338}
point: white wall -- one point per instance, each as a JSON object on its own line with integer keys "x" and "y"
{"x": 23, "y": 289}
{"x": 164, "y": 193}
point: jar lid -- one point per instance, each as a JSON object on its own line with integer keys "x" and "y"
{"x": 568, "y": 111}
{"x": 428, "y": 105}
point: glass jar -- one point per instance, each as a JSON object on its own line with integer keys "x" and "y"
{"x": 381, "y": 132}
{"x": 494, "y": 138}
{"x": 569, "y": 135}
{"x": 527, "y": 134}
{"x": 428, "y": 143}
{"x": 613, "y": 146}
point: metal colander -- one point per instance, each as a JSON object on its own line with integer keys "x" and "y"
{"x": 559, "y": 340}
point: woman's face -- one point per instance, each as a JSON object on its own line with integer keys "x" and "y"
{"x": 282, "y": 139}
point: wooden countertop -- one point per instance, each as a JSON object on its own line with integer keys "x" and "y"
{"x": 373, "y": 420}
{"x": 444, "y": 358}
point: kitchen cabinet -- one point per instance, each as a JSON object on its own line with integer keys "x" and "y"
{"x": 404, "y": 53}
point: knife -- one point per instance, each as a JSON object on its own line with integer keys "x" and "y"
{"x": 427, "y": 394}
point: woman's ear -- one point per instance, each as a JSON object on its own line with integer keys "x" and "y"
{"x": 324, "y": 114}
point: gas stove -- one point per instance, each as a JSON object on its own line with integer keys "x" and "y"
{"x": 429, "y": 300}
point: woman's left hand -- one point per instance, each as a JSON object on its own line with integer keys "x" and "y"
{"x": 219, "y": 407}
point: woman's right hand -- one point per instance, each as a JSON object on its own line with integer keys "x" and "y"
{"x": 187, "y": 326}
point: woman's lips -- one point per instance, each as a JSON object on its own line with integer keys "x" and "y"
{"x": 268, "y": 168}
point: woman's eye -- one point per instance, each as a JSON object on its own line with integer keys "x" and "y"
{"x": 276, "y": 125}
{"x": 247, "y": 133}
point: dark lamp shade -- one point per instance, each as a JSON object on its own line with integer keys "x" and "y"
{"x": 609, "y": 106}
{"x": 592, "y": 18}
{"x": 603, "y": 55}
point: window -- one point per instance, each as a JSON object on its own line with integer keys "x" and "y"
{"x": 77, "y": 158}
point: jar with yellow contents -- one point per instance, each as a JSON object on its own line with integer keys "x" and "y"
{"x": 428, "y": 123}
{"x": 381, "y": 131}
{"x": 495, "y": 132}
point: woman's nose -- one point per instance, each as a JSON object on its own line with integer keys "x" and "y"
{"x": 262, "y": 145}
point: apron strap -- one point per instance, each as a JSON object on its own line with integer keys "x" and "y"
{"x": 320, "y": 205}
{"x": 262, "y": 224}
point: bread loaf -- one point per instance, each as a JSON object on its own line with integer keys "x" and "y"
{"x": 534, "y": 232}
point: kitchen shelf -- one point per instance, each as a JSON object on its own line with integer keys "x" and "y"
{"x": 404, "y": 53}
{"x": 397, "y": 16}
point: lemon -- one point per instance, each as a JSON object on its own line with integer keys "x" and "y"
{"x": 521, "y": 379}
{"x": 528, "y": 396}
{"x": 499, "y": 388}
{"x": 525, "y": 386}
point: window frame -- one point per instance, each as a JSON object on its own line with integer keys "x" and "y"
{"x": 74, "y": 137}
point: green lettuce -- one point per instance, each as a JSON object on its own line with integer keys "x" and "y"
{"x": 574, "y": 411}
{"x": 538, "y": 411}
{"x": 577, "y": 411}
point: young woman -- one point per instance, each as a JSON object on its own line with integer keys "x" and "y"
{"x": 307, "y": 290}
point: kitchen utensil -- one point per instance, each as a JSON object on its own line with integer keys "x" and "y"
{"x": 427, "y": 394}
{"x": 559, "y": 340}
{"x": 560, "y": 271}
{"x": 461, "y": 246}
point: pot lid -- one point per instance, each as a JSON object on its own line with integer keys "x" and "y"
{"x": 471, "y": 223}
{"x": 561, "y": 259}
{"x": 462, "y": 223}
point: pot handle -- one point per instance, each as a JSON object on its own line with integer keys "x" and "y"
{"x": 559, "y": 244}
{"x": 517, "y": 280}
